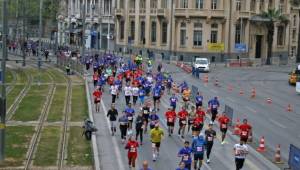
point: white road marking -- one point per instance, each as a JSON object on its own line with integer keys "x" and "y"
{"x": 251, "y": 109}
{"x": 277, "y": 123}
{"x": 116, "y": 148}
{"x": 230, "y": 99}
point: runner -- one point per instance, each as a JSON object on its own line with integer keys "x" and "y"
{"x": 213, "y": 106}
{"x": 197, "y": 125}
{"x": 123, "y": 120}
{"x": 145, "y": 166}
{"x": 199, "y": 100}
{"x": 182, "y": 115}
{"x": 171, "y": 117}
{"x": 97, "y": 98}
{"x": 240, "y": 152}
{"x": 156, "y": 135}
{"x": 185, "y": 154}
{"x": 128, "y": 93}
{"x": 142, "y": 94}
{"x": 186, "y": 97}
{"x": 246, "y": 129}
{"x": 210, "y": 134}
{"x": 112, "y": 114}
{"x": 154, "y": 119}
{"x": 223, "y": 120}
{"x": 132, "y": 146}
{"x": 156, "y": 97}
{"x": 201, "y": 113}
{"x": 114, "y": 92}
{"x": 198, "y": 146}
{"x": 129, "y": 113}
{"x": 191, "y": 117}
{"x": 173, "y": 101}
{"x": 181, "y": 166}
{"x": 135, "y": 94}
{"x": 139, "y": 127}
{"x": 169, "y": 83}
{"x": 95, "y": 78}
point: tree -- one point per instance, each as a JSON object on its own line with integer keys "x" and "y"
{"x": 296, "y": 3}
{"x": 269, "y": 18}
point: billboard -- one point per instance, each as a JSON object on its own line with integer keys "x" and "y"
{"x": 215, "y": 47}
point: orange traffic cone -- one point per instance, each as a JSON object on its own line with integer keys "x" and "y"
{"x": 237, "y": 130}
{"x": 269, "y": 100}
{"x": 289, "y": 108}
{"x": 216, "y": 82}
{"x": 261, "y": 147}
{"x": 205, "y": 80}
{"x": 229, "y": 88}
{"x": 241, "y": 92}
{"x": 277, "y": 157}
{"x": 253, "y": 93}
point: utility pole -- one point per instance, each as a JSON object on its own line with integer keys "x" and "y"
{"x": 83, "y": 29}
{"x": 2, "y": 81}
{"x": 23, "y": 47}
{"x": 40, "y": 38}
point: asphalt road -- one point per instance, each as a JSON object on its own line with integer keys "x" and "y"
{"x": 113, "y": 155}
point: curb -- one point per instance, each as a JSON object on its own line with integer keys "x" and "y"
{"x": 94, "y": 140}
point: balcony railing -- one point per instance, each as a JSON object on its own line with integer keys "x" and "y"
{"x": 131, "y": 11}
{"x": 119, "y": 12}
{"x": 142, "y": 11}
{"x": 162, "y": 12}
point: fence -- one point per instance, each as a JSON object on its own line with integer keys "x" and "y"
{"x": 229, "y": 113}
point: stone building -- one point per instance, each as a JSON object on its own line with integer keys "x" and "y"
{"x": 217, "y": 29}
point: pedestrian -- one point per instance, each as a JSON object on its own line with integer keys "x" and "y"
{"x": 156, "y": 135}
{"x": 154, "y": 119}
{"x": 171, "y": 118}
{"x": 132, "y": 146}
{"x": 199, "y": 100}
{"x": 185, "y": 154}
{"x": 128, "y": 93}
{"x": 213, "y": 105}
{"x": 146, "y": 112}
{"x": 145, "y": 166}
{"x": 68, "y": 69}
{"x": 173, "y": 100}
{"x": 123, "y": 126}
{"x": 114, "y": 92}
{"x": 97, "y": 98}
{"x": 210, "y": 135}
{"x": 181, "y": 166}
{"x": 139, "y": 127}
{"x": 198, "y": 147}
{"x": 223, "y": 120}
{"x": 240, "y": 152}
{"x": 246, "y": 130}
{"x": 112, "y": 114}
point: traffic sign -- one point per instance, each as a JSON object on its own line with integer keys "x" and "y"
{"x": 240, "y": 47}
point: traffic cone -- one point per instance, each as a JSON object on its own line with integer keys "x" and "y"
{"x": 261, "y": 147}
{"x": 269, "y": 100}
{"x": 241, "y": 92}
{"x": 237, "y": 130}
{"x": 229, "y": 88}
{"x": 253, "y": 93}
{"x": 206, "y": 78}
{"x": 289, "y": 108}
{"x": 250, "y": 137}
{"x": 277, "y": 157}
{"x": 216, "y": 82}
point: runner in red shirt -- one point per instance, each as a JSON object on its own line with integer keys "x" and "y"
{"x": 223, "y": 120}
{"x": 245, "y": 130}
{"x": 97, "y": 98}
{"x": 132, "y": 146}
{"x": 128, "y": 75}
{"x": 110, "y": 80}
{"x": 95, "y": 78}
{"x": 200, "y": 112}
{"x": 197, "y": 125}
{"x": 171, "y": 117}
{"x": 182, "y": 115}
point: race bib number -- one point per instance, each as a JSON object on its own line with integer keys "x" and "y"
{"x": 183, "y": 122}
{"x": 170, "y": 119}
{"x": 145, "y": 112}
{"x": 130, "y": 118}
{"x": 132, "y": 149}
{"x": 214, "y": 106}
{"x": 224, "y": 126}
{"x": 244, "y": 133}
{"x": 209, "y": 138}
{"x": 186, "y": 157}
{"x": 199, "y": 148}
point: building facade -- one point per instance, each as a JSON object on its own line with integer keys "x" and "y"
{"x": 99, "y": 23}
{"x": 217, "y": 29}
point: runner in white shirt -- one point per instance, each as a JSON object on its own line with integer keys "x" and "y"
{"x": 114, "y": 93}
{"x": 240, "y": 152}
{"x": 128, "y": 93}
{"x": 135, "y": 94}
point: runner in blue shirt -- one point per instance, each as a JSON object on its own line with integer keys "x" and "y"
{"x": 199, "y": 100}
{"x": 156, "y": 97}
{"x": 213, "y": 105}
{"x": 129, "y": 113}
{"x": 142, "y": 94}
{"x": 181, "y": 166}
{"x": 198, "y": 147}
{"x": 185, "y": 154}
{"x": 173, "y": 101}
{"x": 153, "y": 119}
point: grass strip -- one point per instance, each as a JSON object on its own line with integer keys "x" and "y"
{"x": 9, "y": 76}
{"x": 47, "y": 150}
{"x": 79, "y": 108}
{"x": 12, "y": 95}
{"x": 21, "y": 76}
{"x": 31, "y": 106}
{"x": 16, "y": 145}
{"x": 58, "y": 77}
{"x": 79, "y": 149}
{"x": 57, "y": 107}
{"x": 40, "y": 76}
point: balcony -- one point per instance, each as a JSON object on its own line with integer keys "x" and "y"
{"x": 153, "y": 11}
{"x": 142, "y": 11}
{"x": 182, "y": 12}
{"x": 131, "y": 11}
{"x": 119, "y": 12}
{"x": 217, "y": 13}
{"x": 162, "y": 12}
{"x": 205, "y": 13}
{"x": 245, "y": 14}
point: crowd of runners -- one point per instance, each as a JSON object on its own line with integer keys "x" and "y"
{"x": 142, "y": 86}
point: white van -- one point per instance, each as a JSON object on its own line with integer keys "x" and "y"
{"x": 202, "y": 64}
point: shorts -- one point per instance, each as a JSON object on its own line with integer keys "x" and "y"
{"x": 244, "y": 138}
{"x": 170, "y": 124}
{"x": 156, "y": 98}
{"x": 214, "y": 111}
{"x": 223, "y": 130}
{"x": 96, "y": 101}
{"x": 185, "y": 99}
{"x": 146, "y": 117}
{"x": 199, "y": 104}
{"x": 198, "y": 157}
{"x": 191, "y": 122}
{"x": 197, "y": 128}
{"x": 181, "y": 122}
{"x": 157, "y": 144}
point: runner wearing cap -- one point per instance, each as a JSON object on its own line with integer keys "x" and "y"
{"x": 210, "y": 134}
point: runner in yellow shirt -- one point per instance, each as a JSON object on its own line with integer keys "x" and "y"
{"x": 156, "y": 135}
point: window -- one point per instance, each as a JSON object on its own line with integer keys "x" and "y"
{"x": 142, "y": 4}
{"x": 237, "y": 33}
{"x": 238, "y": 5}
{"x": 132, "y": 30}
{"x": 262, "y": 5}
{"x": 183, "y": 34}
{"x": 214, "y": 4}
{"x": 281, "y": 6}
{"x": 107, "y": 7}
{"x": 88, "y": 6}
{"x": 122, "y": 23}
{"x": 293, "y": 51}
{"x": 294, "y": 20}
{"x": 199, "y": 4}
{"x": 153, "y": 4}
{"x": 252, "y": 5}
{"x": 183, "y": 3}
{"x": 197, "y": 34}
{"x": 270, "y": 4}
{"x": 164, "y": 3}
{"x": 214, "y": 33}
{"x": 121, "y": 4}
{"x": 132, "y": 4}
{"x": 142, "y": 36}
{"x": 294, "y": 34}
{"x": 153, "y": 31}
{"x": 280, "y": 35}
{"x": 164, "y": 32}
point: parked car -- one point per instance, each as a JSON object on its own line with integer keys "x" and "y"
{"x": 202, "y": 64}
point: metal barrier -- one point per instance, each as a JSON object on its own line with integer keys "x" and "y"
{"x": 294, "y": 158}
{"x": 194, "y": 92}
{"x": 229, "y": 113}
